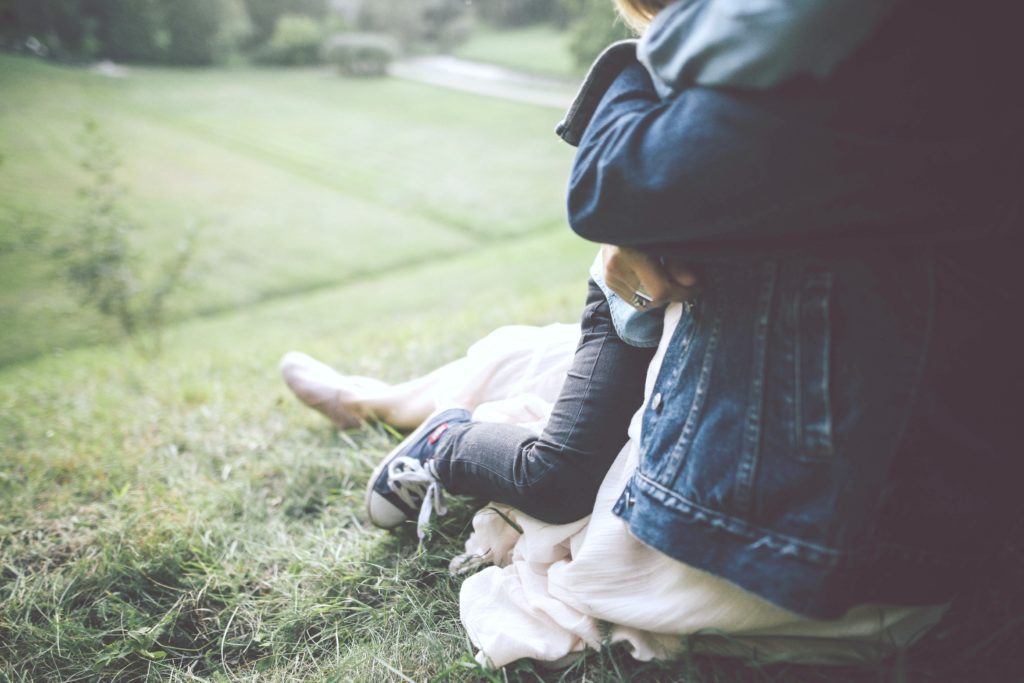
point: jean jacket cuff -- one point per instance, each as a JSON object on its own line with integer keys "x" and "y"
{"x": 637, "y": 328}
{"x": 603, "y": 72}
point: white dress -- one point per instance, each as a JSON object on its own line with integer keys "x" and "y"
{"x": 554, "y": 590}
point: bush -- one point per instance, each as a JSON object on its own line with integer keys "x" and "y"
{"x": 360, "y": 54}
{"x": 594, "y": 26}
{"x": 266, "y": 14}
{"x": 296, "y": 42}
{"x": 96, "y": 257}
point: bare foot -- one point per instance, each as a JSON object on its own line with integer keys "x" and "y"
{"x": 339, "y": 397}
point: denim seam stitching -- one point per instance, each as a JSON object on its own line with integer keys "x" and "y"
{"x": 678, "y": 455}
{"x": 808, "y": 551}
{"x": 747, "y": 469}
{"x": 590, "y": 381}
{"x": 740, "y": 527}
{"x": 823, "y": 449}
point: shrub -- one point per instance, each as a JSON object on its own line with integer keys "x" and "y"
{"x": 265, "y": 14}
{"x": 296, "y": 42}
{"x": 99, "y": 264}
{"x": 360, "y": 54}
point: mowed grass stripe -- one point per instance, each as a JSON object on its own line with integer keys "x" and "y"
{"x": 475, "y": 161}
{"x": 281, "y": 214}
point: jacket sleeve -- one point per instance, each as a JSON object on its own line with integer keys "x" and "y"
{"x": 725, "y": 170}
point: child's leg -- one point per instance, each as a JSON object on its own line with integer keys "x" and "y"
{"x": 349, "y": 400}
{"x": 507, "y": 362}
{"x": 555, "y": 476}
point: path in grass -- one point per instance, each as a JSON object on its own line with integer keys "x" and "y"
{"x": 541, "y": 50}
{"x": 531, "y": 64}
{"x": 482, "y": 78}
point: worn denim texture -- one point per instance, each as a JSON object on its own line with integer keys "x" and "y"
{"x": 833, "y": 424}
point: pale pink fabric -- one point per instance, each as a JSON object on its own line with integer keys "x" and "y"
{"x": 555, "y": 590}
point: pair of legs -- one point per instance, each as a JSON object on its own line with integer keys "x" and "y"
{"x": 553, "y": 477}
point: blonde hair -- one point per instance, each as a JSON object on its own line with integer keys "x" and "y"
{"x": 638, "y": 13}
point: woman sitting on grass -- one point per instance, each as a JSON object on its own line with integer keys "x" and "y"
{"x": 796, "y": 465}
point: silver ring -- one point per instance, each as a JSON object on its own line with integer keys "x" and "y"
{"x": 641, "y": 300}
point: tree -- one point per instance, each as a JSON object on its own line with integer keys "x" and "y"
{"x": 154, "y": 31}
{"x": 192, "y": 27}
{"x": 131, "y": 30}
{"x": 64, "y": 26}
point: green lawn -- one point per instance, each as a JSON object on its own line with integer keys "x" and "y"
{"x": 184, "y": 518}
{"x": 189, "y": 509}
{"x": 297, "y": 180}
{"x": 540, "y": 49}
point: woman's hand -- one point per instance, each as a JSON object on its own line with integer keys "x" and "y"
{"x": 641, "y": 281}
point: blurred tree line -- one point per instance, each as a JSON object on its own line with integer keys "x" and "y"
{"x": 184, "y": 32}
{"x": 201, "y": 32}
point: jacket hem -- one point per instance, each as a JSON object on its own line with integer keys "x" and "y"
{"x": 810, "y": 580}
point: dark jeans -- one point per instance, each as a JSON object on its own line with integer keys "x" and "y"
{"x": 555, "y": 477}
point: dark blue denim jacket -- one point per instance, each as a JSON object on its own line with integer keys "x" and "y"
{"x": 809, "y": 431}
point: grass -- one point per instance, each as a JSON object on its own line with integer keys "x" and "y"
{"x": 541, "y": 49}
{"x": 297, "y": 182}
{"x": 186, "y": 515}
{"x": 184, "y": 518}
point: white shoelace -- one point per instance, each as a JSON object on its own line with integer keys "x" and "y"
{"x": 416, "y": 485}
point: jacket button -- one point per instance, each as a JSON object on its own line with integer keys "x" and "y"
{"x": 656, "y": 402}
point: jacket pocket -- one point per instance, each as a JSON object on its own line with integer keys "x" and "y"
{"x": 813, "y": 345}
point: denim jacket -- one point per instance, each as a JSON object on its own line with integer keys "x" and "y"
{"x": 807, "y": 433}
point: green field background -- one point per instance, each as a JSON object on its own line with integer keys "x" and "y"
{"x": 297, "y": 181}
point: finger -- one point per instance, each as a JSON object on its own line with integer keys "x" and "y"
{"x": 622, "y": 288}
{"x": 633, "y": 293}
{"x": 654, "y": 282}
{"x": 619, "y": 264}
{"x": 664, "y": 289}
